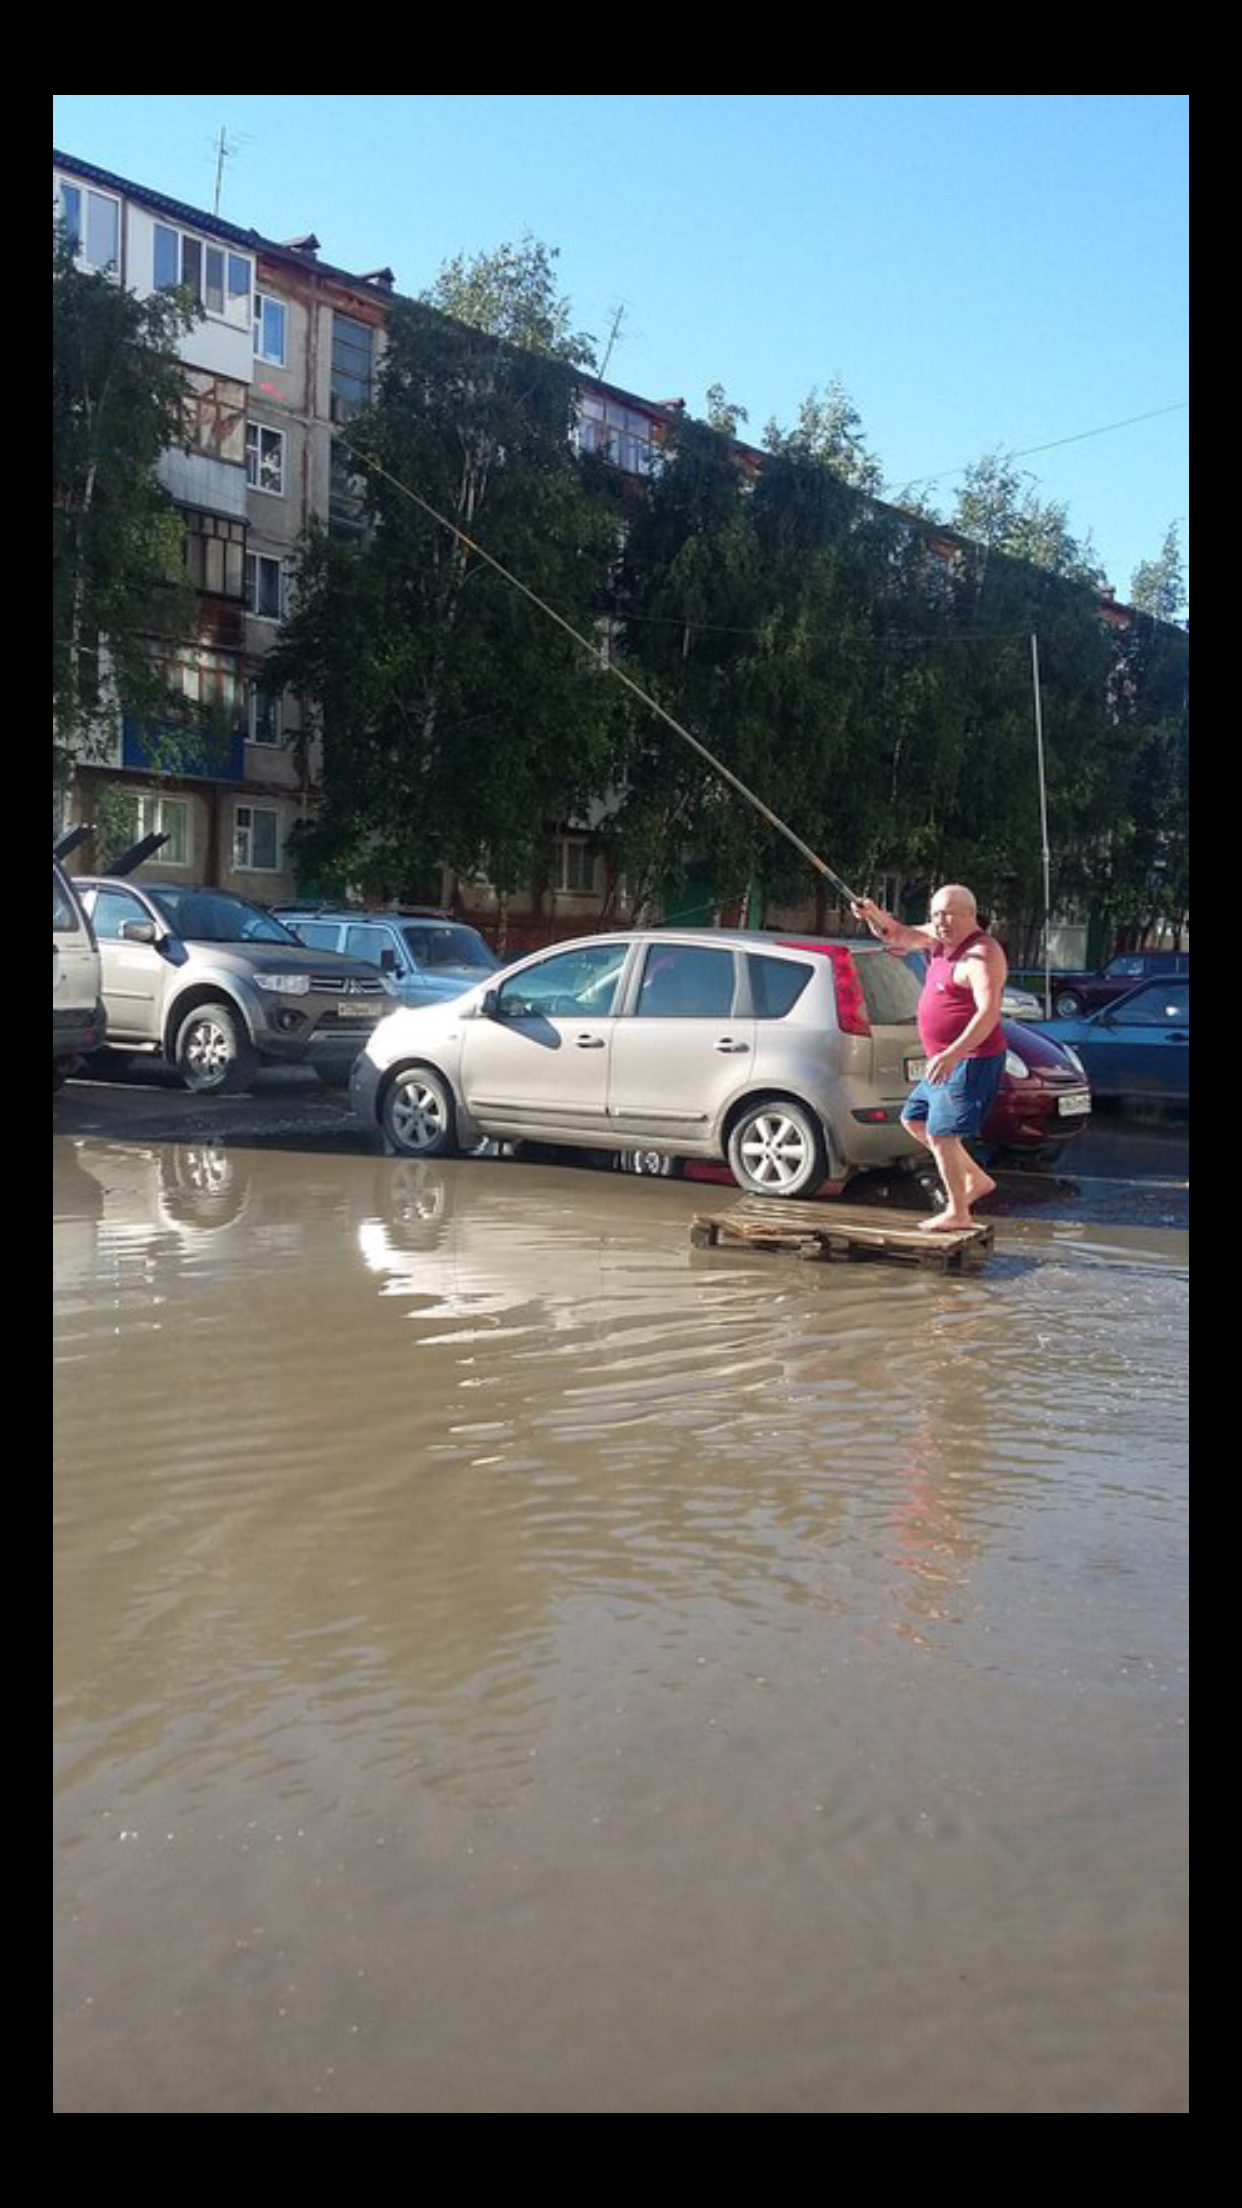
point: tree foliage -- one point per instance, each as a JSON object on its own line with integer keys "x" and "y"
{"x": 865, "y": 669}
{"x": 456, "y": 723}
{"x": 117, "y": 563}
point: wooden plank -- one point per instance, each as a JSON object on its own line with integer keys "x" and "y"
{"x": 825, "y": 1232}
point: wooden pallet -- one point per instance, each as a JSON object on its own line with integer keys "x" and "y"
{"x": 821, "y": 1232}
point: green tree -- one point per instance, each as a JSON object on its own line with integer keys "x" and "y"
{"x": 456, "y": 721}
{"x": 118, "y": 583}
{"x": 1158, "y": 586}
{"x": 512, "y": 294}
{"x": 688, "y": 604}
{"x": 997, "y": 508}
{"x": 829, "y": 429}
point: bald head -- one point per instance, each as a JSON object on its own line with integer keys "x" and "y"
{"x": 954, "y": 913}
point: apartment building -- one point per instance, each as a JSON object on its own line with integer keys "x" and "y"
{"x": 284, "y": 353}
{"x": 284, "y": 348}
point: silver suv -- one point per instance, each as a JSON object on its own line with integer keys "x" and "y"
{"x": 218, "y": 987}
{"x": 789, "y": 1058}
{"x": 428, "y": 956}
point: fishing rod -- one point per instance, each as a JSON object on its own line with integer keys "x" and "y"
{"x": 653, "y": 705}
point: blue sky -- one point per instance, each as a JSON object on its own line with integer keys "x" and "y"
{"x": 998, "y": 270}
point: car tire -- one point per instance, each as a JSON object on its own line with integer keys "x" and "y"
{"x": 656, "y": 1163}
{"x": 776, "y": 1148}
{"x": 418, "y": 1114}
{"x": 213, "y": 1053}
{"x": 1067, "y": 1004}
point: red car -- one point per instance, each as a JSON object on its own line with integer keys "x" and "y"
{"x": 1044, "y": 1101}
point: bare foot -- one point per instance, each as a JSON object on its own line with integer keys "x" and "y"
{"x": 978, "y": 1185}
{"x": 946, "y": 1222}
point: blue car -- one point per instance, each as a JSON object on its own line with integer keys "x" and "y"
{"x": 1138, "y": 1047}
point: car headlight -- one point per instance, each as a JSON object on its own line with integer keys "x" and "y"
{"x": 1017, "y": 1068}
{"x": 284, "y": 985}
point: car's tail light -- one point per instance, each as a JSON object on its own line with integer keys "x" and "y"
{"x": 851, "y": 1004}
{"x": 852, "y": 1014}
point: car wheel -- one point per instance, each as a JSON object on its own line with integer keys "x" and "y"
{"x": 214, "y": 1055}
{"x": 417, "y": 1114}
{"x": 656, "y": 1162}
{"x": 1067, "y": 1004}
{"x": 777, "y": 1149}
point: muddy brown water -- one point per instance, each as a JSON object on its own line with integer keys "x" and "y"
{"x": 509, "y": 1661}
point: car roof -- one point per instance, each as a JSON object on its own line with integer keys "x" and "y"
{"x": 1142, "y": 989}
{"x": 357, "y": 915}
{"x": 750, "y": 939}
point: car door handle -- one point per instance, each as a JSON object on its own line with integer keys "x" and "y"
{"x": 589, "y": 1042}
{"x": 727, "y": 1044}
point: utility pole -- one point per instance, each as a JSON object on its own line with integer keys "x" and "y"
{"x": 1043, "y": 820}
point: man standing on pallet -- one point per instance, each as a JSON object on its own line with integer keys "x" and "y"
{"x": 960, "y": 1026}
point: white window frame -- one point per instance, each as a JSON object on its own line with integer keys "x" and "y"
{"x": 565, "y": 850}
{"x": 245, "y": 821}
{"x": 255, "y": 562}
{"x": 78, "y": 228}
{"x": 262, "y": 301}
{"x": 170, "y": 816}
{"x": 256, "y": 697}
{"x": 265, "y": 446}
{"x": 236, "y": 308}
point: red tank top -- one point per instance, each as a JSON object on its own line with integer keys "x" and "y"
{"x": 947, "y": 1007}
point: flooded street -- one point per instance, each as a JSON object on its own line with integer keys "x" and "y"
{"x": 510, "y": 1661}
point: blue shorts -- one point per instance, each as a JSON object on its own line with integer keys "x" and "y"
{"x": 959, "y": 1105}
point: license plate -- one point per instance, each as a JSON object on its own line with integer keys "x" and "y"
{"x": 1075, "y": 1104}
{"x": 916, "y": 1069}
{"x": 355, "y": 1014}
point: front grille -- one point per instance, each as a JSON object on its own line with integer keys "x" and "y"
{"x": 347, "y": 985}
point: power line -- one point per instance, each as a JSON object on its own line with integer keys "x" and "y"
{"x": 1026, "y": 452}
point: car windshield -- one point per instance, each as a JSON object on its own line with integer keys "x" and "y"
{"x": 450, "y": 946}
{"x": 213, "y": 916}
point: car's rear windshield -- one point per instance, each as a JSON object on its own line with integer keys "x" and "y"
{"x": 450, "y": 945}
{"x": 212, "y": 916}
{"x": 890, "y": 990}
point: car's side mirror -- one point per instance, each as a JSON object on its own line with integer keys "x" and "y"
{"x": 139, "y": 931}
{"x": 489, "y": 1009}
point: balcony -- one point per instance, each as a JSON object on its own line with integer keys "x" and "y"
{"x": 212, "y": 486}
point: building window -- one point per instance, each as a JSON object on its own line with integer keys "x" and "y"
{"x": 573, "y": 867}
{"x": 220, "y": 281}
{"x": 353, "y": 366}
{"x": 92, "y": 224}
{"x": 134, "y": 814}
{"x": 264, "y": 587}
{"x": 256, "y": 842}
{"x": 265, "y": 720}
{"x": 269, "y": 329}
{"x": 215, "y": 553}
{"x": 208, "y": 681}
{"x": 168, "y": 816}
{"x": 214, "y": 409}
{"x": 619, "y": 434}
{"x": 265, "y": 459}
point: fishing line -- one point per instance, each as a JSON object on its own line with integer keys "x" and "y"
{"x": 653, "y": 705}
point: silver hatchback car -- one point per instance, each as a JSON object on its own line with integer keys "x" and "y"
{"x": 790, "y": 1058}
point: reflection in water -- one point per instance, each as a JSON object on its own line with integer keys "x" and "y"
{"x": 510, "y": 1660}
